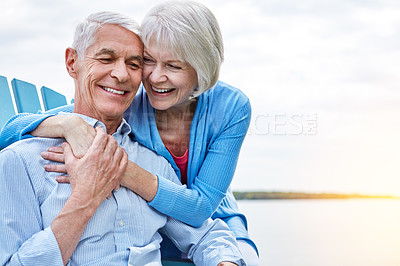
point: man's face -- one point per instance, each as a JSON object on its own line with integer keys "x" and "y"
{"x": 109, "y": 76}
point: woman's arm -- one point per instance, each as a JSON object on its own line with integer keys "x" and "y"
{"x": 140, "y": 181}
{"x": 74, "y": 129}
{"x": 19, "y": 126}
{"x": 214, "y": 176}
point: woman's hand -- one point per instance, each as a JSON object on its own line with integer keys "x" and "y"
{"x": 78, "y": 134}
{"x": 73, "y": 128}
{"x": 55, "y": 154}
{"x": 227, "y": 263}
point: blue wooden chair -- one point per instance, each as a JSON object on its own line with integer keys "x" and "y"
{"x": 6, "y": 106}
{"x": 26, "y": 99}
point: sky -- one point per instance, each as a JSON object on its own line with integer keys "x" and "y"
{"x": 322, "y": 77}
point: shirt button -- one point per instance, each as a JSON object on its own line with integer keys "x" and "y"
{"x": 121, "y": 223}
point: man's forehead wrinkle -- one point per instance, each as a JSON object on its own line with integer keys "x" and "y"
{"x": 106, "y": 51}
{"x": 110, "y": 51}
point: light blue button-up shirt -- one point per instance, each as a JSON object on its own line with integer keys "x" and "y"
{"x": 124, "y": 229}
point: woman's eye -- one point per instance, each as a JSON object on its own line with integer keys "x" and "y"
{"x": 148, "y": 61}
{"x": 175, "y": 67}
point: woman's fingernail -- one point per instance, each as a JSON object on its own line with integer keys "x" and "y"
{"x": 44, "y": 154}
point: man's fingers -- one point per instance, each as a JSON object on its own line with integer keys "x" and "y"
{"x": 124, "y": 160}
{"x": 119, "y": 158}
{"x": 68, "y": 155}
{"x": 110, "y": 157}
{"x": 99, "y": 142}
{"x": 111, "y": 146}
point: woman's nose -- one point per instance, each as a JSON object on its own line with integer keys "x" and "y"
{"x": 157, "y": 75}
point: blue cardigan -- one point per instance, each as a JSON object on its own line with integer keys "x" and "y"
{"x": 218, "y": 128}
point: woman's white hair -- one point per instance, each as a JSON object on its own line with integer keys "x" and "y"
{"x": 85, "y": 31}
{"x": 191, "y": 31}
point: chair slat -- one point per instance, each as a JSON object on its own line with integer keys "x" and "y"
{"x": 52, "y": 99}
{"x": 6, "y": 106}
{"x": 26, "y": 97}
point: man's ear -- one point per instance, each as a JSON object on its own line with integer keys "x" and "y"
{"x": 71, "y": 59}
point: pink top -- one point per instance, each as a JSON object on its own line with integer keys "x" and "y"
{"x": 182, "y": 163}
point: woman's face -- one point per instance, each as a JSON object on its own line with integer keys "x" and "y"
{"x": 168, "y": 81}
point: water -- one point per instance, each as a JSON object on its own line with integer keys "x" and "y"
{"x": 362, "y": 232}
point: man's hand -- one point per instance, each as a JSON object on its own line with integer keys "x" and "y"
{"x": 95, "y": 175}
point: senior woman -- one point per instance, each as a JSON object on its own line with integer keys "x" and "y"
{"x": 183, "y": 113}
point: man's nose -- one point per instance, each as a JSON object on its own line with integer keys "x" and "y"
{"x": 120, "y": 72}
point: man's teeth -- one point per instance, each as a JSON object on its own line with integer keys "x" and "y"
{"x": 114, "y": 91}
{"x": 162, "y": 90}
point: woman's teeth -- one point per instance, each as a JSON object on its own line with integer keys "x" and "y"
{"x": 161, "y": 90}
{"x": 113, "y": 91}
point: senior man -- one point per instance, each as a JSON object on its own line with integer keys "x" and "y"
{"x": 87, "y": 222}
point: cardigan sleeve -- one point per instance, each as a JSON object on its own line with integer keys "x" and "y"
{"x": 194, "y": 205}
{"x": 20, "y": 125}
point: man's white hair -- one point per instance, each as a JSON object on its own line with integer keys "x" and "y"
{"x": 85, "y": 32}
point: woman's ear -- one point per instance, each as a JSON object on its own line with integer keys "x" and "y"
{"x": 71, "y": 59}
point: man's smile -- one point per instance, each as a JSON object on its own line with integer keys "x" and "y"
{"x": 113, "y": 90}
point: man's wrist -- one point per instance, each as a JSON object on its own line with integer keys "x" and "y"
{"x": 86, "y": 205}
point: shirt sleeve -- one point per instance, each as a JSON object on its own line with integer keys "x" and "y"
{"x": 23, "y": 240}
{"x": 214, "y": 178}
{"x": 20, "y": 125}
{"x": 209, "y": 244}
